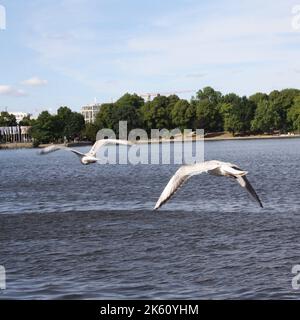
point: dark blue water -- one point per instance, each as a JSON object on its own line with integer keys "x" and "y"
{"x": 73, "y": 231}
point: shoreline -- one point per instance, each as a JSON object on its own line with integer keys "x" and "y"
{"x": 258, "y": 137}
{"x": 221, "y": 138}
{"x": 19, "y": 145}
{"x": 12, "y": 146}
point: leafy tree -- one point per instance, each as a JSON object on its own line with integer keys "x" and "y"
{"x": 208, "y": 93}
{"x": 107, "y": 117}
{"x": 267, "y": 118}
{"x": 294, "y": 115}
{"x": 257, "y": 97}
{"x": 183, "y": 115}
{"x": 73, "y": 126}
{"x": 208, "y": 116}
{"x": 128, "y": 109}
{"x": 7, "y": 119}
{"x": 27, "y": 121}
{"x": 53, "y": 128}
{"x": 155, "y": 113}
{"x": 46, "y": 128}
{"x": 90, "y": 132}
{"x": 237, "y": 113}
{"x": 173, "y": 99}
{"x": 72, "y": 123}
{"x": 282, "y": 101}
{"x": 207, "y": 111}
{"x": 130, "y": 99}
{"x": 64, "y": 113}
{"x": 231, "y": 121}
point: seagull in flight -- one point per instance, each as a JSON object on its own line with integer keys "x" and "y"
{"x": 86, "y": 158}
{"x": 214, "y": 167}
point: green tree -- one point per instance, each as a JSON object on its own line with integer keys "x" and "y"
{"x": 27, "y": 121}
{"x": 155, "y": 113}
{"x": 130, "y": 99}
{"x": 128, "y": 109}
{"x": 90, "y": 132}
{"x": 74, "y": 126}
{"x": 46, "y": 128}
{"x": 72, "y": 123}
{"x": 257, "y": 97}
{"x": 183, "y": 115}
{"x": 207, "y": 110}
{"x": 173, "y": 99}
{"x": 282, "y": 101}
{"x": 238, "y": 113}
{"x": 294, "y": 115}
{"x": 231, "y": 121}
{"x": 64, "y": 113}
{"x": 107, "y": 117}
{"x": 208, "y": 93}
{"x": 208, "y": 116}
{"x": 7, "y": 119}
{"x": 267, "y": 118}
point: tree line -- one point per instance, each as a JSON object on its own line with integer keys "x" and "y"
{"x": 209, "y": 109}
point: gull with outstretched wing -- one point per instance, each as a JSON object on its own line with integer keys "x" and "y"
{"x": 89, "y": 157}
{"x": 217, "y": 168}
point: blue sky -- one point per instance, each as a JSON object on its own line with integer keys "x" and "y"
{"x": 67, "y": 52}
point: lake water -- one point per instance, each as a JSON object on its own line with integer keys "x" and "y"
{"x": 89, "y": 232}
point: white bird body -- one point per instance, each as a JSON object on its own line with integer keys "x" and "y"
{"x": 88, "y": 160}
{"x": 89, "y": 157}
{"x": 214, "y": 167}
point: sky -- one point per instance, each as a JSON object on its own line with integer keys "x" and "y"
{"x": 69, "y": 52}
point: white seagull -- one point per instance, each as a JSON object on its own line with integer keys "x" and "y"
{"x": 86, "y": 158}
{"x": 214, "y": 167}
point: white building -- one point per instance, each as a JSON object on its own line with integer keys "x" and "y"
{"x": 89, "y": 112}
{"x": 20, "y": 115}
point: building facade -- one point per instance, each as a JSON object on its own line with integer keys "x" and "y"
{"x": 89, "y": 112}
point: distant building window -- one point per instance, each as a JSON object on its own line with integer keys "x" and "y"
{"x": 90, "y": 112}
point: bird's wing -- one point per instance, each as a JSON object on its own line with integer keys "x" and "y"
{"x": 51, "y": 148}
{"x": 54, "y": 148}
{"x": 244, "y": 182}
{"x": 180, "y": 177}
{"x": 100, "y": 143}
{"x": 233, "y": 170}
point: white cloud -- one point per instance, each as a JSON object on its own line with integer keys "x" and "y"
{"x": 35, "y": 82}
{"x": 233, "y": 47}
{"x": 6, "y": 90}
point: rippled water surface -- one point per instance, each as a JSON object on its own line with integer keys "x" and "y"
{"x": 74, "y": 231}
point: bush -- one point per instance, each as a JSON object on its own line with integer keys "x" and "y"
{"x": 36, "y": 143}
